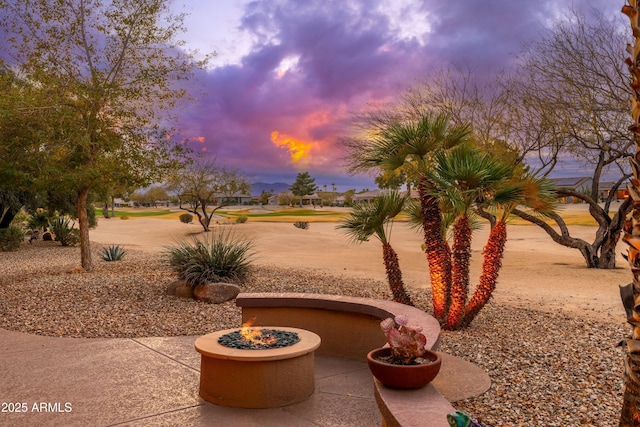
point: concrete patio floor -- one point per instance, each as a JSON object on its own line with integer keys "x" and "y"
{"x": 154, "y": 382}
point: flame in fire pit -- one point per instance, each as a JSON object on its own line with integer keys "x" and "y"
{"x": 255, "y": 336}
{"x": 250, "y": 338}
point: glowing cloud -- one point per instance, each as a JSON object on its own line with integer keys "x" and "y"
{"x": 200, "y": 139}
{"x": 298, "y": 150}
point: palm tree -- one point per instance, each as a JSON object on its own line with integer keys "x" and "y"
{"x": 376, "y": 219}
{"x": 468, "y": 183}
{"x": 462, "y": 178}
{"x": 630, "y": 293}
{"x": 408, "y": 147}
{"x": 535, "y": 193}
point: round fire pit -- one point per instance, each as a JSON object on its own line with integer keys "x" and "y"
{"x": 257, "y": 378}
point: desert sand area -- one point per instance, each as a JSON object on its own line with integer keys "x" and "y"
{"x": 537, "y": 273}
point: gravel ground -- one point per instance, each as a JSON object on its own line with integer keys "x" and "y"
{"x": 546, "y": 369}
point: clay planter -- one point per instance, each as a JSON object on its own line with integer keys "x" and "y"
{"x": 403, "y": 376}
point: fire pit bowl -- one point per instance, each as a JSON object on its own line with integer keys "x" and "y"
{"x": 257, "y": 378}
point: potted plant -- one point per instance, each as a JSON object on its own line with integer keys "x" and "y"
{"x": 405, "y": 362}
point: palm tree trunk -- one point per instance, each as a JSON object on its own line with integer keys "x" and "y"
{"x": 630, "y": 414}
{"x": 394, "y": 275}
{"x": 492, "y": 253}
{"x": 437, "y": 250}
{"x": 461, "y": 257}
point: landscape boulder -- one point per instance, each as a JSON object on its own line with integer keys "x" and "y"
{"x": 181, "y": 289}
{"x": 216, "y": 293}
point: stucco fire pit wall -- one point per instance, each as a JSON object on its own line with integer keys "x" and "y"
{"x": 267, "y": 378}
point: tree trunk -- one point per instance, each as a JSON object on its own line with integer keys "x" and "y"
{"x": 461, "y": 257}
{"x": 203, "y": 218}
{"x": 83, "y": 224}
{"x": 598, "y": 254}
{"x": 5, "y": 220}
{"x": 394, "y": 275}
{"x": 105, "y": 210}
{"x": 491, "y": 264}
{"x": 630, "y": 414}
{"x": 437, "y": 250}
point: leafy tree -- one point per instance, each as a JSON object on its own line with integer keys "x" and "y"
{"x": 304, "y": 185}
{"x": 285, "y": 198}
{"x": 156, "y": 194}
{"x": 376, "y": 219}
{"x": 264, "y": 196}
{"x": 202, "y": 184}
{"x": 103, "y": 71}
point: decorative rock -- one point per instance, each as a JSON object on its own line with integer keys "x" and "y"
{"x": 184, "y": 291}
{"x": 180, "y": 289}
{"x": 216, "y": 293}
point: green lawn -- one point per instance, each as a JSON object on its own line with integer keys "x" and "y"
{"x": 308, "y": 215}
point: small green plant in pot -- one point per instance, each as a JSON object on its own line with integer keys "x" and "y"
{"x": 405, "y": 362}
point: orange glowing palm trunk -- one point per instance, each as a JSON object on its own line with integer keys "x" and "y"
{"x": 461, "y": 253}
{"x": 394, "y": 275}
{"x": 493, "y": 253}
{"x": 437, "y": 250}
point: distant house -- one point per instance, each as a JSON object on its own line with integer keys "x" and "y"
{"x": 580, "y": 184}
{"x": 605, "y": 188}
{"x": 236, "y": 198}
{"x": 120, "y": 203}
{"x": 367, "y": 196}
{"x": 312, "y": 199}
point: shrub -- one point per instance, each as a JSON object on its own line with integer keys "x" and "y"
{"x": 218, "y": 258}
{"x": 303, "y": 225}
{"x": 242, "y": 219}
{"x": 113, "y": 253}
{"x": 186, "y": 218}
{"x": 64, "y": 232}
{"x": 38, "y": 220}
{"x": 11, "y": 238}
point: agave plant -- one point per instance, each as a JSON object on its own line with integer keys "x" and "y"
{"x": 220, "y": 257}
{"x": 65, "y": 232}
{"x": 113, "y": 253}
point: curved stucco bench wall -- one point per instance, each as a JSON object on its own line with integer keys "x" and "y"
{"x": 348, "y": 326}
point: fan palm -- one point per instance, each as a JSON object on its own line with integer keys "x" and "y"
{"x": 376, "y": 219}
{"x": 408, "y": 147}
{"x": 527, "y": 191}
{"x": 463, "y": 178}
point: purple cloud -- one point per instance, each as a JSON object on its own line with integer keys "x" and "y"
{"x": 313, "y": 64}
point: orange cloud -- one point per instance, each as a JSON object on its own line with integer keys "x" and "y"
{"x": 298, "y": 149}
{"x": 200, "y": 139}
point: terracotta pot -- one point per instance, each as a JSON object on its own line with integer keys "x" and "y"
{"x": 403, "y": 376}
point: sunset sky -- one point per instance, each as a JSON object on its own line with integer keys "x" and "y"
{"x": 289, "y": 73}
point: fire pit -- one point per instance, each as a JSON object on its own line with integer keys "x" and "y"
{"x": 272, "y": 367}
